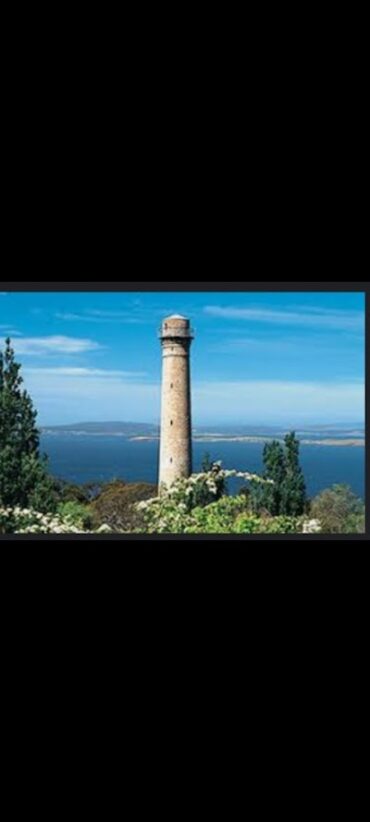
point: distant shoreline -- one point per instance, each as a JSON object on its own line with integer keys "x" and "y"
{"x": 209, "y": 438}
{"x": 349, "y": 443}
{"x": 344, "y": 442}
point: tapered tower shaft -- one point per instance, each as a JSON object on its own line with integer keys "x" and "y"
{"x": 175, "y": 459}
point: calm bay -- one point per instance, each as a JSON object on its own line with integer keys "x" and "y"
{"x": 85, "y": 458}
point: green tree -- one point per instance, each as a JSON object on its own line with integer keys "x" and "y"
{"x": 206, "y": 462}
{"x": 24, "y": 480}
{"x": 287, "y": 495}
{"x": 293, "y": 494}
{"x": 339, "y": 510}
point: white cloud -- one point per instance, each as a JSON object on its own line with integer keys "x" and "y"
{"x": 72, "y": 394}
{"x": 136, "y": 314}
{"x": 327, "y": 318}
{"x": 3, "y": 293}
{"x": 240, "y": 344}
{"x": 274, "y": 400}
{"x": 97, "y": 312}
{"x": 97, "y": 316}
{"x": 8, "y": 328}
{"x": 83, "y": 372}
{"x": 55, "y": 345}
{"x": 289, "y": 343}
{"x": 60, "y": 396}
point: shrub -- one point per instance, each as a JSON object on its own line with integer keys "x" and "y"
{"x": 248, "y": 524}
{"x": 70, "y": 492}
{"x": 193, "y": 505}
{"x": 219, "y": 517}
{"x": 76, "y": 513}
{"x": 27, "y": 521}
{"x": 339, "y": 510}
{"x": 115, "y": 505}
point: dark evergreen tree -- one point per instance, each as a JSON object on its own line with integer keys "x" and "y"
{"x": 207, "y": 462}
{"x": 293, "y": 494}
{"x": 287, "y": 494}
{"x": 274, "y": 462}
{"x": 24, "y": 480}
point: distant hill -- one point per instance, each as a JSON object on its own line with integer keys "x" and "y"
{"x": 124, "y": 428}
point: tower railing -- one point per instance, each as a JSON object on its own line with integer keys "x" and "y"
{"x": 176, "y": 333}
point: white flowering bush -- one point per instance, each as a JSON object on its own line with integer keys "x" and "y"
{"x": 194, "y": 506}
{"x": 201, "y": 489}
{"x": 27, "y": 521}
{"x": 311, "y": 526}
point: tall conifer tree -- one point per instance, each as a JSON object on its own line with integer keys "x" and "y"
{"x": 23, "y": 473}
{"x": 287, "y": 495}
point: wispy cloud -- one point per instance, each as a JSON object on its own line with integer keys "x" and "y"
{"x": 137, "y": 314}
{"x": 274, "y": 343}
{"x": 54, "y": 345}
{"x": 64, "y": 394}
{"x": 84, "y": 373}
{"x": 9, "y": 331}
{"x": 115, "y": 315}
{"x": 97, "y": 316}
{"x": 244, "y": 344}
{"x": 327, "y": 318}
{"x": 3, "y": 293}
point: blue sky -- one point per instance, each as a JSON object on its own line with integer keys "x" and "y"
{"x": 285, "y": 358}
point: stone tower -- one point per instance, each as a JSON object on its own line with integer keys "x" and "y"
{"x": 175, "y": 447}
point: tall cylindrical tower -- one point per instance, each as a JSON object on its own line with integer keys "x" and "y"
{"x": 175, "y": 447}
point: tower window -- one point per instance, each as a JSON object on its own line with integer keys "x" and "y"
{"x": 171, "y": 460}
{"x": 171, "y": 384}
{"x": 171, "y": 423}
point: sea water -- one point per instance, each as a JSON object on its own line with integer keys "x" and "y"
{"x": 85, "y": 458}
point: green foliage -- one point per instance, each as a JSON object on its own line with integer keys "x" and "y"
{"x": 355, "y": 524}
{"x": 339, "y": 510}
{"x": 23, "y": 475}
{"x": 206, "y": 462}
{"x": 217, "y": 518}
{"x": 247, "y": 524}
{"x": 287, "y": 495}
{"x": 78, "y": 514}
{"x": 294, "y": 488}
{"x": 70, "y": 492}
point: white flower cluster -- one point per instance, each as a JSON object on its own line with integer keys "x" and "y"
{"x": 27, "y": 521}
{"x": 311, "y": 526}
{"x": 183, "y": 496}
{"x": 210, "y": 480}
